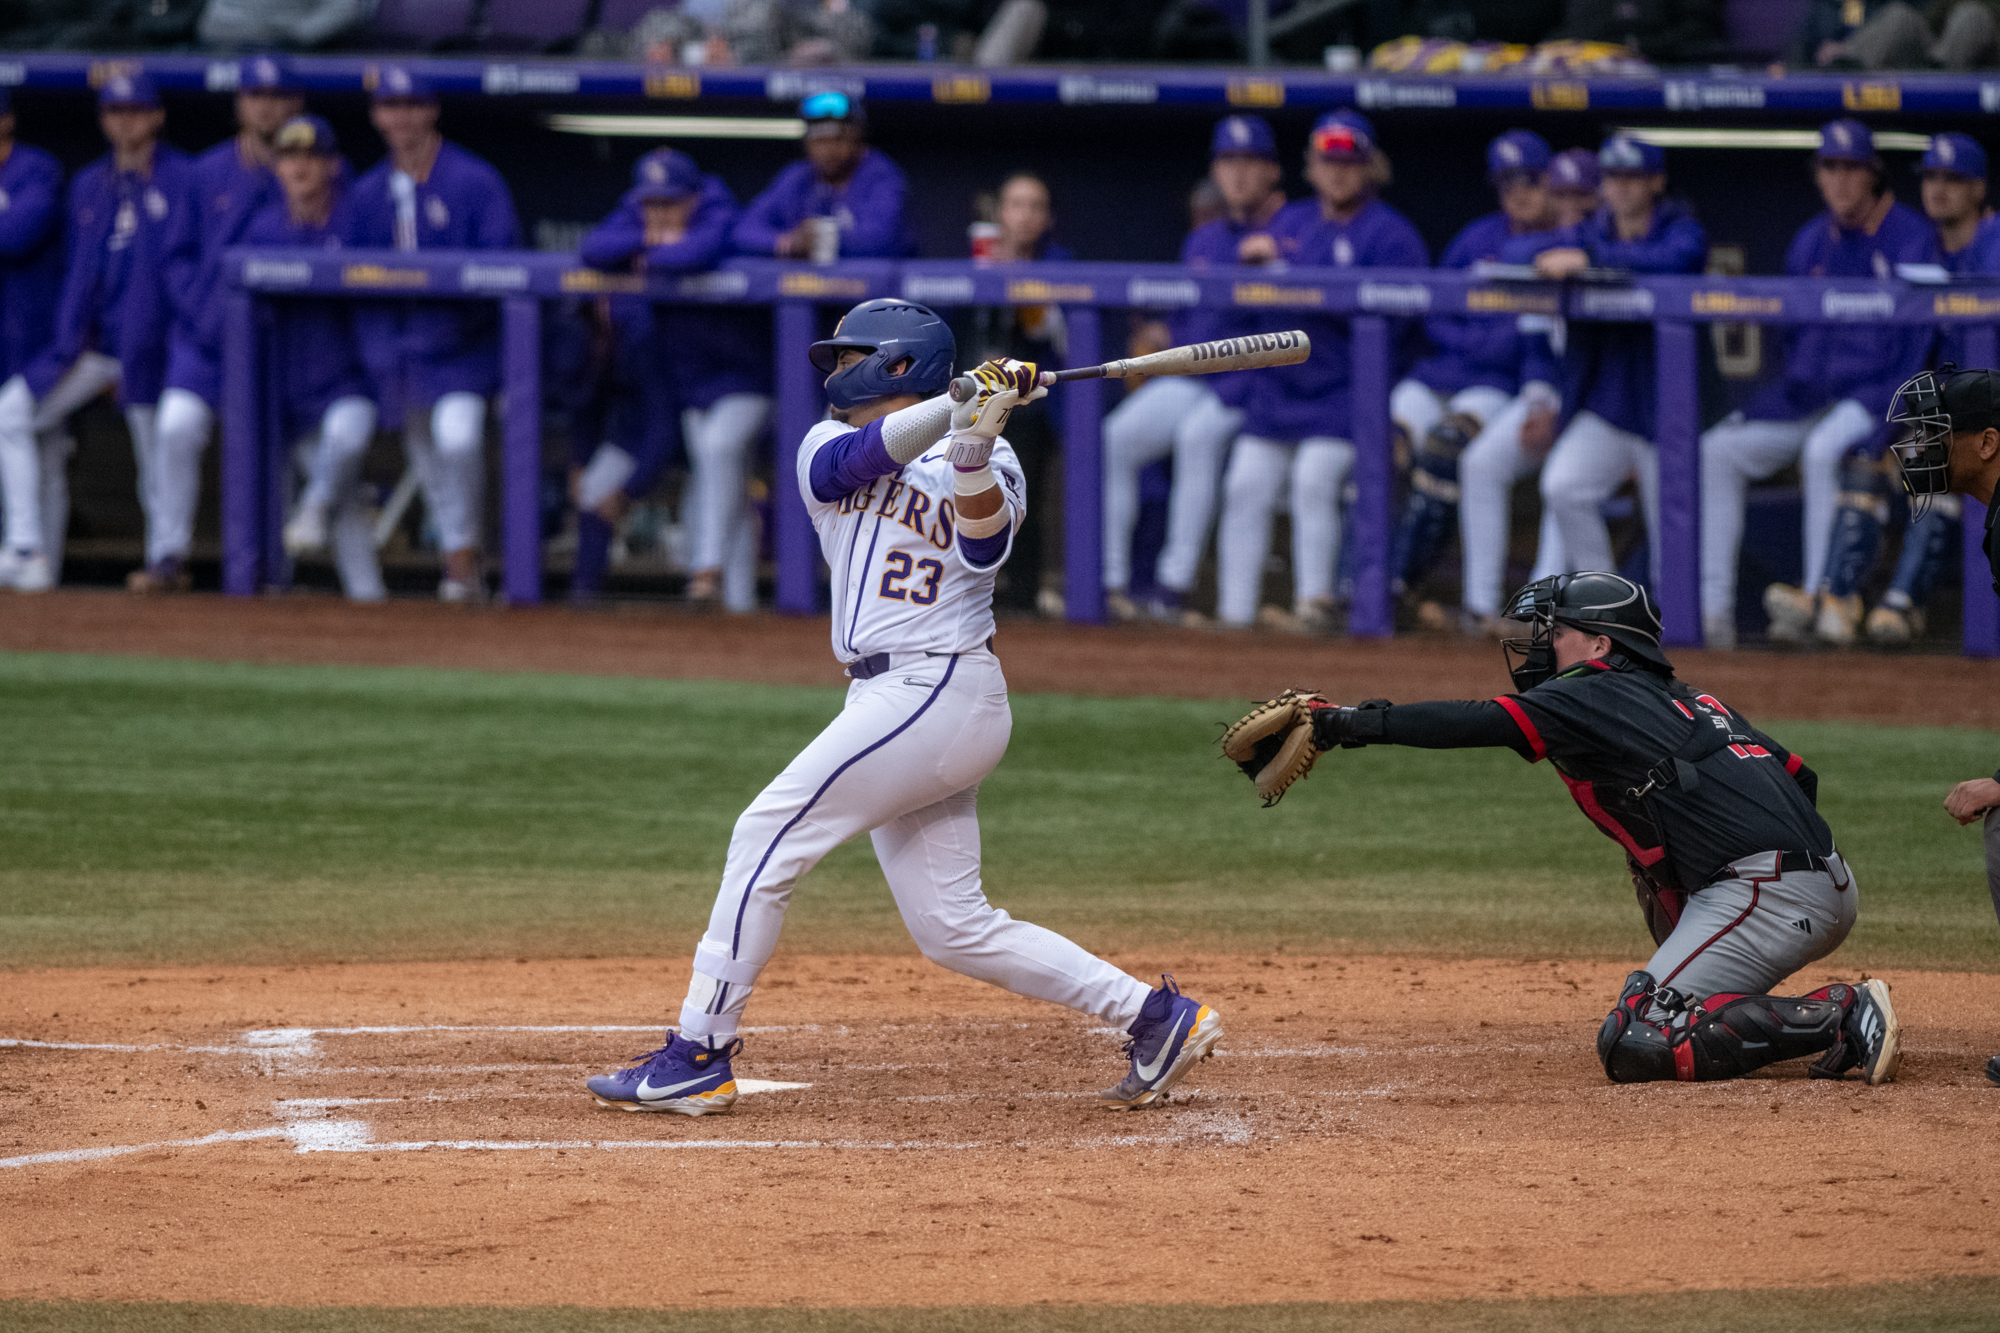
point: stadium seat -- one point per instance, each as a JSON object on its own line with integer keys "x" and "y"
{"x": 1762, "y": 29}
{"x": 418, "y": 25}
{"x": 532, "y": 25}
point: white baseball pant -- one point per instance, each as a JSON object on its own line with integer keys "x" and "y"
{"x": 1487, "y": 471}
{"x": 1738, "y": 452}
{"x": 184, "y": 426}
{"x": 1416, "y": 406}
{"x": 34, "y": 451}
{"x": 718, "y": 512}
{"x": 903, "y": 763}
{"x": 446, "y": 445}
{"x": 1168, "y": 415}
{"x": 1590, "y": 460}
{"x": 1260, "y": 472}
{"x": 333, "y": 456}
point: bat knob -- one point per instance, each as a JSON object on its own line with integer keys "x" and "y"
{"x": 962, "y": 389}
{"x": 1046, "y": 377}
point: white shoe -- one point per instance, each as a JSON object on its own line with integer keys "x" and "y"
{"x": 29, "y": 573}
{"x": 1838, "y": 619}
{"x": 1120, "y": 608}
{"x": 460, "y": 592}
{"x": 1791, "y": 611}
{"x": 306, "y": 534}
{"x": 1881, "y": 1035}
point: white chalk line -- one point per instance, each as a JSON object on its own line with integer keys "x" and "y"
{"x": 124, "y": 1149}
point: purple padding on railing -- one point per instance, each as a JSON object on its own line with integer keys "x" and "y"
{"x": 1677, "y": 433}
{"x": 1082, "y": 406}
{"x": 241, "y": 461}
{"x": 532, "y": 24}
{"x": 1373, "y": 613}
{"x": 521, "y": 451}
{"x": 799, "y": 407}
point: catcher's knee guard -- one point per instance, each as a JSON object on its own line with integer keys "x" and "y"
{"x": 1724, "y": 1036}
{"x": 1431, "y": 515}
{"x": 1857, "y": 523}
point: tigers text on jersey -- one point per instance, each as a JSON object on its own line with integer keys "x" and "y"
{"x": 900, "y": 583}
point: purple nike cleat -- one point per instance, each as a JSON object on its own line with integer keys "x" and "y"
{"x": 683, "y": 1076}
{"x": 1170, "y": 1034}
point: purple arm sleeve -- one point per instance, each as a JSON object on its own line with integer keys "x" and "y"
{"x": 982, "y": 552}
{"x": 849, "y": 462}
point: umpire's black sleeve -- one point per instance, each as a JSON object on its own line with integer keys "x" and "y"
{"x": 1442, "y": 724}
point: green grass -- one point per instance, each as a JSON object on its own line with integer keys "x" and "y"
{"x": 1956, "y": 1305}
{"x": 178, "y": 812}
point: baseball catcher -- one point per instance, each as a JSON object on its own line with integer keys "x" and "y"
{"x": 1736, "y": 872}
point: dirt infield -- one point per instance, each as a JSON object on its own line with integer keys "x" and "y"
{"x": 1907, "y": 689}
{"x": 1371, "y": 1128}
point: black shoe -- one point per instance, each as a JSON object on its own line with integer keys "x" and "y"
{"x": 1993, "y": 1070}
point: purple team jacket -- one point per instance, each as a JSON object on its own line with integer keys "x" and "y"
{"x": 873, "y": 223}
{"x": 313, "y": 356}
{"x": 418, "y": 351}
{"x": 226, "y": 194}
{"x": 1468, "y": 350}
{"x": 31, "y": 255}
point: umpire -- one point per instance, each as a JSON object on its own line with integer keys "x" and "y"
{"x": 1953, "y": 447}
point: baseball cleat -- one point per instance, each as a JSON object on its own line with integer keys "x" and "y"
{"x": 1878, "y": 1037}
{"x": 1791, "y": 611}
{"x": 1121, "y": 608}
{"x": 1170, "y": 1034}
{"x": 163, "y": 577}
{"x": 27, "y": 572}
{"x": 306, "y": 534}
{"x": 1838, "y": 619}
{"x": 1893, "y": 625}
{"x": 1993, "y": 1071}
{"x": 683, "y": 1076}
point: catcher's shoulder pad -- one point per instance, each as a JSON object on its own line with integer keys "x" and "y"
{"x": 1273, "y": 743}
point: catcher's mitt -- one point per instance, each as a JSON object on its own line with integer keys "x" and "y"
{"x": 1273, "y": 745}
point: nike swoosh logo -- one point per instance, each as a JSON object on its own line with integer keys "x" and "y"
{"x": 647, "y": 1092}
{"x": 1161, "y": 1063}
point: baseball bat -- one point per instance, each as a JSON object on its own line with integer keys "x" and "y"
{"x": 1252, "y": 352}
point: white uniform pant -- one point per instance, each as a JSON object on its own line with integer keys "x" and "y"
{"x": 446, "y": 445}
{"x": 722, "y": 524}
{"x": 1738, "y": 452}
{"x": 1744, "y": 935}
{"x": 333, "y": 456}
{"x": 903, "y": 761}
{"x": 1590, "y": 460}
{"x": 34, "y": 452}
{"x": 1169, "y": 415}
{"x": 1487, "y": 471}
{"x": 1260, "y": 472}
{"x": 184, "y": 427}
{"x": 1416, "y": 406}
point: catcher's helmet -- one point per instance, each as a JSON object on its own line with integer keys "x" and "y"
{"x": 1935, "y": 404}
{"x": 891, "y": 332}
{"x": 1591, "y": 601}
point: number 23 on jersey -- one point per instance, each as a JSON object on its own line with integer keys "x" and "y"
{"x": 906, "y": 579}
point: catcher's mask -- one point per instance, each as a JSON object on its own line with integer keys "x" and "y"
{"x": 1591, "y": 601}
{"x": 1934, "y": 404}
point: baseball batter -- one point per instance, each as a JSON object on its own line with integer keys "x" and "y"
{"x": 1737, "y": 874}
{"x": 916, "y": 502}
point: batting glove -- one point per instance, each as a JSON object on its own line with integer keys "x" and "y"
{"x": 1001, "y": 386}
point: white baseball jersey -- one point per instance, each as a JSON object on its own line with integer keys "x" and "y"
{"x": 900, "y": 583}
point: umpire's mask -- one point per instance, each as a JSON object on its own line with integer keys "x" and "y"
{"x": 1933, "y": 405}
{"x": 1591, "y": 601}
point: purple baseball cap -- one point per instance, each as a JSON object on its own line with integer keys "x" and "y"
{"x": 265, "y": 74}
{"x": 1343, "y": 136}
{"x": 133, "y": 90}
{"x": 1846, "y": 141}
{"x": 306, "y": 134}
{"x": 1958, "y": 154}
{"x": 665, "y": 174}
{"x": 399, "y": 84}
{"x": 1244, "y": 136}
{"x": 1517, "y": 152}
{"x": 1624, "y": 155}
{"x": 1574, "y": 169}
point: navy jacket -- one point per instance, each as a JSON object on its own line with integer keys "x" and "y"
{"x": 870, "y": 207}
{"x": 1866, "y": 361}
{"x": 418, "y": 351}
{"x": 31, "y": 255}
{"x": 1315, "y": 397}
{"x": 109, "y": 213}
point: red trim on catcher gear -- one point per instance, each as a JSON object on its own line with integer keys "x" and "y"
{"x": 1585, "y": 797}
{"x": 1793, "y": 764}
{"x": 1684, "y": 1060}
{"x": 1533, "y": 737}
{"x": 1756, "y": 892}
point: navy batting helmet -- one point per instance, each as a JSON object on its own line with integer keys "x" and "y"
{"x": 1591, "y": 601}
{"x": 891, "y": 332}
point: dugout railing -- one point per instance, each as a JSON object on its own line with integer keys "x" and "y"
{"x": 254, "y": 479}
